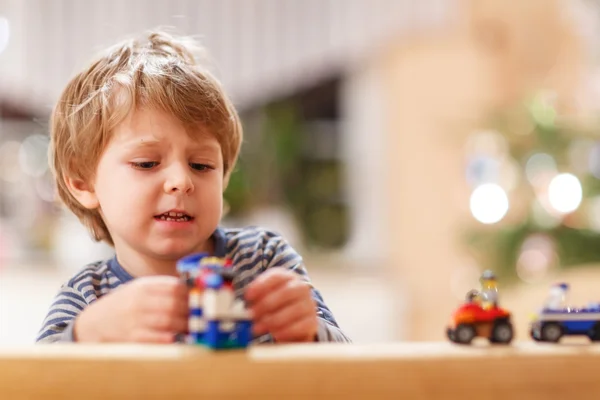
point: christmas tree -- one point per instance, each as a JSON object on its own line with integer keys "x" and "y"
{"x": 535, "y": 180}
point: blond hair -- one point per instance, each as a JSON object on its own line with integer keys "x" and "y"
{"x": 157, "y": 71}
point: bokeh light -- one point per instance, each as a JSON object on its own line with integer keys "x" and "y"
{"x": 33, "y": 155}
{"x": 539, "y": 167}
{"x": 482, "y": 169}
{"x": 536, "y": 258}
{"x": 543, "y": 108}
{"x": 565, "y": 193}
{"x": 489, "y": 203}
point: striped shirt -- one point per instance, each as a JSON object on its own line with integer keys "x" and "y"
{"x": 252, "y": 250}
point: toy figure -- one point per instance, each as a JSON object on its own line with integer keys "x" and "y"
{"x": 556, "y": 297}
{"x": 473, "y": 296}
{"x": 489, "y": 290}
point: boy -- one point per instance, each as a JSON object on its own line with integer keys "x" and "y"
{"x": 142, "y": 145}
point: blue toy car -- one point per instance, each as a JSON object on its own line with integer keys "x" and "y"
{"x": 556, "y": 320}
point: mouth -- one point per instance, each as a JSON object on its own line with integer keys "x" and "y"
{"x": 174, "y": 216}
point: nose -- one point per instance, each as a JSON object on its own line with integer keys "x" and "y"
{"x": 178, "y": 181}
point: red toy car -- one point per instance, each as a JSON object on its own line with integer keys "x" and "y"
{"x": 473, "y": 320}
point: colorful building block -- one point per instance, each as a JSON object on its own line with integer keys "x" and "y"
{"x": 217, "y": 319}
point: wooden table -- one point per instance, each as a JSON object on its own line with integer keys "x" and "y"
{"x": 414, "y": 370}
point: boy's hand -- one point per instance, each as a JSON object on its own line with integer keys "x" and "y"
{"x": 148, "y": 310}
{"x": 281, "y": 304}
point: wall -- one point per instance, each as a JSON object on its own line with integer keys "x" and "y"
{"x": 262, "y": 48}
{"x": 439, "y": 88}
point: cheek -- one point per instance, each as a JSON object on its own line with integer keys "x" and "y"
{"x": 118, "y": 195}
{"x": 210, "y": 194}
{"x": 113, "y": 200}
{"x": 211, "y": 191}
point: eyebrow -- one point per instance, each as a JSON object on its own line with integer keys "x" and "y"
{"x": 141, "y": 143}
{"x": 151, "y": 142}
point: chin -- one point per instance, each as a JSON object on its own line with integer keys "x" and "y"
{"x": 172, "y": 252}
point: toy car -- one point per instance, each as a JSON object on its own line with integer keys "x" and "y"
{"x": 471, "y": 321}
{"x": 555, "y": 320}
{"x": 480, "y": 316}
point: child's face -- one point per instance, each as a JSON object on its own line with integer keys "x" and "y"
{"x": 151, "y": 167}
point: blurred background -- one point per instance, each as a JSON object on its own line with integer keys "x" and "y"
{"x": 402, "y": 146}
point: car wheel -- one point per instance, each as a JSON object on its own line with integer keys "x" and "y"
{"x": 464, "y": 334}
{"x": 502, "y": 332}
{"x": 594, "y": 333}
{"x": 551, "y": 332}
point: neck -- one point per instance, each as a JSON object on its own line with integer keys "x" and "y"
{"x": 140, "y": 264}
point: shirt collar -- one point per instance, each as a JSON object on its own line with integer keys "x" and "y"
{"x": 124, "y": 276}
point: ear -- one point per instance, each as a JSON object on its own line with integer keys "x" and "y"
{"x": 83, "y": 192}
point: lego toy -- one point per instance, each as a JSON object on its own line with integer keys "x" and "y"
{"x": 556, "y": 320}
{"x": 217, "y": 319}
{"x": 489, "y": 290}
{"x": 480, "y": 316}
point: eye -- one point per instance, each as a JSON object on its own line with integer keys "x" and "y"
{"x": 144, "y": 164}
{"x": 200, "y": 167}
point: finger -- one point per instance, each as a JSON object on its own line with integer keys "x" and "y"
{"x": 152, "y": 336}
{"x": 302, "y": 330}
{"x": 266, "y": 283}
{"x": 284, "y": 317}
{"x": 289, "y": 293}
{"x": 287, "y": 315}
{"x": 165, "y": 322}
{"x": 165, "y": 285}
{"x": 165, "y": 304}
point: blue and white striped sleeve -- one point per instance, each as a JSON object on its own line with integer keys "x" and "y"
{"x": 284, "y": 256}
{"x": 58, "y": 324}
